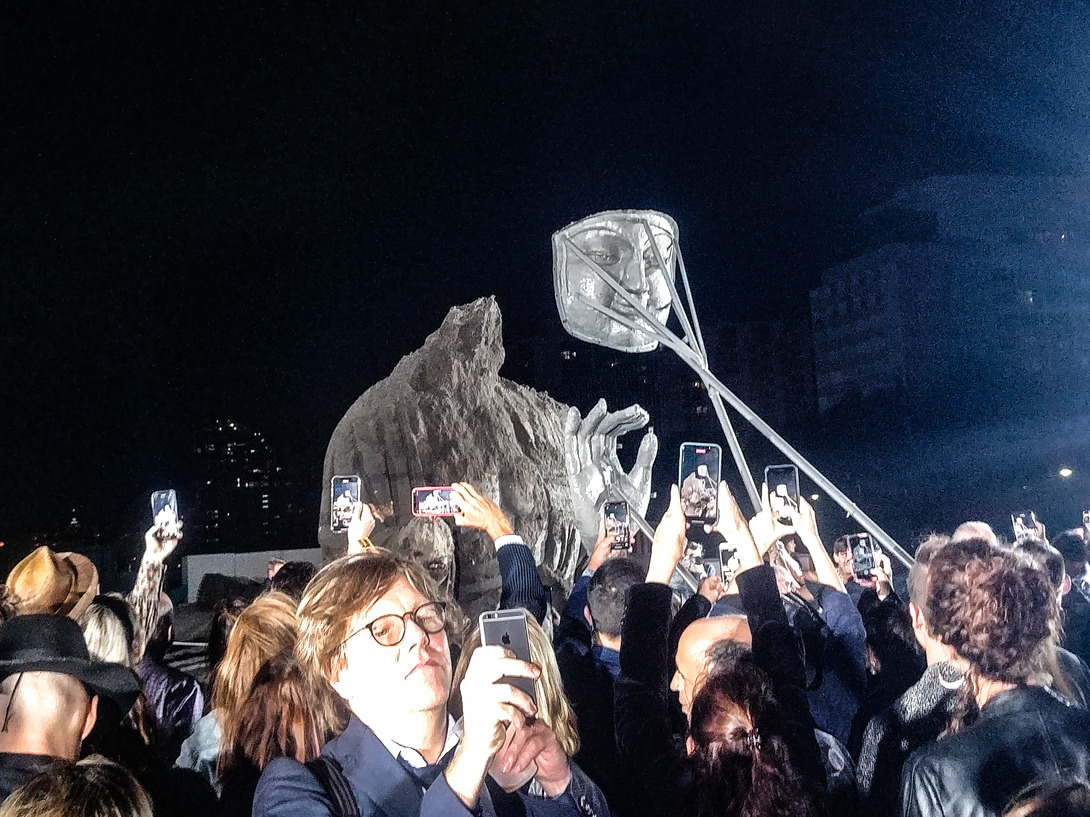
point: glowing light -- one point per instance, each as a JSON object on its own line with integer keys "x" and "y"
{"x": 815, "y": 497}
{"x": 1065, "y": 472}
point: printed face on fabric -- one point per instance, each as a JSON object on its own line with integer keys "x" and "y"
{"x": 411, "y": 676}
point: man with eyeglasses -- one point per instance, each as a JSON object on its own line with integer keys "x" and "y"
{"x": 371, "y": 624}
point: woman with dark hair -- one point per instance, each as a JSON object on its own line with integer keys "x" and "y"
{"x": 736, "y": 741}
{"x": 998, "y": 612}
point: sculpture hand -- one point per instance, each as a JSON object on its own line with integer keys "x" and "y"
{"x": 590, "y": 451}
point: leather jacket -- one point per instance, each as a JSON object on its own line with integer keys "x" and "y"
{"x": 1022, "y": 737}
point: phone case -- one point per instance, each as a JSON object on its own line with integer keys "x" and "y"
{"x": 700, "y": 495}
{"x": 427, "y": 489}
{"x": 340, "y": 508}
{"x": 508, "y": 629}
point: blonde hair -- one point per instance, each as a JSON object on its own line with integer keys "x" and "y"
{"x": 552, "y": 703}
{"x": 94, "y": 787}
{"x": 339, "y": 592}
{"x": 106, "y": 636}
{"x": 264, "y": 629}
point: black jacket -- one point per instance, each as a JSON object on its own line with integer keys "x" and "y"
{"x": 1021, "y": 738}
{"x": 643, "y": 724}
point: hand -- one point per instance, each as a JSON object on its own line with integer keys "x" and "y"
{"x": 883, "y": 575}
{"x": 480, "y": 512}
{"x": 161, "y": 539}
{"x": 603, "y": 549}
{"x": 360, "y": 527}
{"x": 669, "y": 541}
{"x": 488, "y": 705}
{"x": 785, "y": 582}
{"x": 488, "y": 708}
{"x": 590, "y": 454}
{"x": 804, "y": 522}
{"x": 711, "y": 588}
{"x": 537, "y": 744}
{"x": 766, "y": 527}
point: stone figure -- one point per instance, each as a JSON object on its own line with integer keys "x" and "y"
{"x": 615, "y": 244}
{"x": 444, "y": 415}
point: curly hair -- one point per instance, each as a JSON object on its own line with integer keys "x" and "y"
{"x": 997, "y": 609}
{"x": 741, "y": 758}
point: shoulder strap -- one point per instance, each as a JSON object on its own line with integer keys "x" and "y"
{"x": 331, "y": 776}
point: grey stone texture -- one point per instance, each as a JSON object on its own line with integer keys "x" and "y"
{"x": 445, "y": 415}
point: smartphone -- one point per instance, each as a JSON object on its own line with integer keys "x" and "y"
{"x": 1086, "y": 519}
{"x": 728, "y": 562}
{"x": 508, "y": 629}
{"x": 344, "y": 493}
{"x": 435, "y": 501}
{"x": 164, "y": 507}
{"x": 783, "y": 490}
{"x": 1025, "y": 525}
{"x": 699, "y": 472}
{"x": 863, "y": 556}
{"x": 617, "y": 526}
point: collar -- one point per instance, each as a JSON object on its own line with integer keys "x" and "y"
{"x": 412, "y": 756}
{"x": 609, "y": 658}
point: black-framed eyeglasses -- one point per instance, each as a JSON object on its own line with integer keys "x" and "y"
{"x": 389, "y": 630}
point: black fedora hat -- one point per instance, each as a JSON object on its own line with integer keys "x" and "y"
{"x": 43, "y": 642}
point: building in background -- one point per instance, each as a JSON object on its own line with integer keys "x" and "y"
{"x": 243, "y": 500}
{"x": 989, "y": 315}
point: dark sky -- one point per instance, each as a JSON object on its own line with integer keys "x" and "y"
{"x": 233, "y": 212}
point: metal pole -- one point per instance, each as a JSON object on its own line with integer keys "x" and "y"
{"x": 696, "y": 340}
{"x": 694, "y": 361}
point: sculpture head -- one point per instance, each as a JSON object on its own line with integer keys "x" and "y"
{"x": 616, "y": 244}
{"x": 429, "y": 543}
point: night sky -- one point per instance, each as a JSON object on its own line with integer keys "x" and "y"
{"x": 229, "y": 212}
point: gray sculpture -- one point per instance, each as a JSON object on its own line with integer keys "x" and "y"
{"x": 444, "y": 415}
{"x": 594, "y": 471}
{"x": 614, "y": 278}
{"x": 635, "y": 249}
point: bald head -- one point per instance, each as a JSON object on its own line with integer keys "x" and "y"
{"x": 46, "y": 713}
{"x": 692, "y": 651}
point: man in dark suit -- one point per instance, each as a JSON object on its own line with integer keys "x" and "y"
{"x": 372, "y": 625}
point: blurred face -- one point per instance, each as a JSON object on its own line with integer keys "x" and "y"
{"x": 845, "y": 564}
{"x": 690, "y": 663}
{"x": 381, "y": 681}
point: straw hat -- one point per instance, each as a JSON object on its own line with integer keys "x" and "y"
{"x": 48, "y": 582}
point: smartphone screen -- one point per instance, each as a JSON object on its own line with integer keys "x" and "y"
{"x": 344, "y": 493}
{"x": 435, "y": 501}
{"x": 728, "y": 561}
{"x": 616, "y": 519}
{"x": 783, "y": 489}
{"x": 862, "y": 554}
{"x": 699, "y": 472}
{"x": 1024, "y": 525}
{"x": 508, "y": 629}
{"x": 164, "y": 507}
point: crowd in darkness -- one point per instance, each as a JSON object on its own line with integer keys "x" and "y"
{"x": 793, "y": 684}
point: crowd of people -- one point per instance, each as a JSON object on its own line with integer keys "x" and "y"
{"x": 792, "y": 684}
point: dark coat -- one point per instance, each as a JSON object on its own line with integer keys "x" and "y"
{"x": 1022, "y": 737}
{"x": 383, "y": 788}
{"x": 642, "y": 716}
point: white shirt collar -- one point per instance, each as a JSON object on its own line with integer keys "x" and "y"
{"x": 412, "y": 756}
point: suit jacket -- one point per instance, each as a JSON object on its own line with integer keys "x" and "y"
{"x": 383, "y": 788}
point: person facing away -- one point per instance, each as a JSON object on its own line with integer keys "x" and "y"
{"x": 49, "y": 694}
{"x": 999, "y": 613}
{"x": 175, "y": 696}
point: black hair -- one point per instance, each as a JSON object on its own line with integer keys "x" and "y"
{"x": 607, "y": 592}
